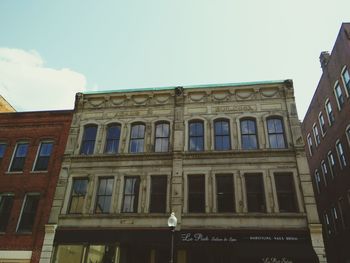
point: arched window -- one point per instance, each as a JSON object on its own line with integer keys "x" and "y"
{"x": 222, "y": 135}
{"x": 137, "y": 138}
{"x": 196, "y": 136}
{"x": 276, "y": 133}
{"x": 89, "y": 138}
{"x": 161, "y": 142}
{"x": 112, "y": 138}
{"x": 249, "y": 134}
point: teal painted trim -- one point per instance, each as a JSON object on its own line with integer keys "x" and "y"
{"x": 202, "y": 86}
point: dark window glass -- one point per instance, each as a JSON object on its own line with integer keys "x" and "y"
{"x": 345, "y": 212}
{"x": 104, "y": 195}
{"x": 346, "y": 78}
{"x": 285, "y": 192}
{"x": 196, "y": 136}
{"x": 331, "y": 163}
{"x": 19, "y": 157}
{"x": 255, "y": 192}
{"x": 330, "y": 113}
{"x": 318, "y": 181}
{"x": 6, "y": 201}
{"x": 137, "y": 138}
{"x": 322, "y": 123}
{"x": 336, "y": 219}
{"x": 196, "y": 194}
{"x": 89, "y": 138}
{"x": 28, "y": 213}
{"x": 222, "y": 135}
{"x": 316, "y": 134}
{"x": 112, "y": 139}
{"x": 276, "y": 133}
{"x": 42, "y": 161}
{"x": 158, "y": 194}
{"x": 329, "y": 227}
{"x": 225, "y": 193}
{"x": 309, "y": 142}
{"x": 131, "y": 194}
{"x": 249, "y": 134}
{"x": 162, "y": 137}
{"x": 341, "y": 154}
{"x": 2, "y": 150}
{"x": 339, "y": 95}
{"x": 78, "y": 195}
{"x": 326, "y": 174}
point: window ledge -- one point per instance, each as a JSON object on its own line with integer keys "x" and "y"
{"x": 9, "y": 172}
{"x": 38, "y": 172}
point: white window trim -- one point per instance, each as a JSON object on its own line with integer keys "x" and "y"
{"x": 323, "y": 172}
{"x": 328, "y": 114}
{"x": 319, "y": 121}
{"x": 329, "y": 163}
{"x": 342, "y": 166}
{"x": 336, "y": 95}
{"x": 37, "y": 154}
{"x": 308, "y": 143}
{"x": 314, "y": 131}
{"x": 345, "y": 68}
{"x": 22, "y": 208}
{"x": 13, "y": 156}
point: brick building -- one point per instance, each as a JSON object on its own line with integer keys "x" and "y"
{"x": 31, "y": 150}
{"x": 326, "y": 131}
{"x": 228, "y": 159}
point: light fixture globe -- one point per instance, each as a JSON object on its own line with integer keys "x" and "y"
{"x": 172, "y": 220}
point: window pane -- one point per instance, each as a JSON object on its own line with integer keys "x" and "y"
{"x": 276, "y": 133}
{"x": 28, "y": 213}
{"x": 162, "y": 137}
{"x": 285, "y": 192}
{"x": 42, "y": 161}
{"x": 88, "y": 141}
{"x": 78, "y": 195}
{"x": 225, "y": 193}
{"x": 248, "y": 135}
{"x": 2, "y": 150}
{"x": 101, "y": 254}
{"x": 6, "y": 201}
{"x": 222, "y": 135}
{"x": 19, "y": 157}
{"x": 158, "y": 194}
{"x": 104, "y": 195}
{"x": 196, "y": 138}
{"x": 69, "y": 253}
{"x": 131, "y": 193}
{"x": 137, "y": 138}
{"x": 196, "y": 194}
{"x": 255, "y": 193}
{"x": 112, "y": 139}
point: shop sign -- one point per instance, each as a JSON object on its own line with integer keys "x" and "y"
{"x": 276, "y": 260}
{"x": 200, "y": 237}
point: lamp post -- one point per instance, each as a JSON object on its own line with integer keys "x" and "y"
{"x": 172, "y": 221}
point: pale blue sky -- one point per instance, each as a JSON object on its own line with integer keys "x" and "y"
{"x": 75, "y": 45}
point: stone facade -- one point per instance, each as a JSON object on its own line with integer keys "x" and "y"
{"x": 179, "y": 107}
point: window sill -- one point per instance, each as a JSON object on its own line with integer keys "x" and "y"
{"x": 9, "y": 172}
{"x": 38, "y": 172}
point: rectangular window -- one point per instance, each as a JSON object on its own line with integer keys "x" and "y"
{"x": 222, "y": 135}
{"x": 318, "y": 181}
{"x": 345, "y": 212}
{"x": 196, "y": 136}
{"x": 137, "y": 138}
{"x": 346, "y": 79}
{"x": 339, "y": 95}
{"x": 43, "y": 156}
{"x": 6, "y": 201}
{"x": 29, "y": 209}
{"x": 225, "y": 193}
{"x": 101, "y": 254}
{"x": 276, "y": 133}
{"x": 19, "y": 157}
{"x": 341, "y": 154}
{"x": 131, "y": 194}
{"x": 249, "y": 134}
{"x": 112, "y": 138}
{"x": 78, "y": 194}
{"x": 68, "y": 253}
{"x": 331, "y": 163}
{"x": 336, "y": 219}
{"x": 316, "y": 134}
{"x": 326, "y": 174}
{"x": 309, "y": 142}
{"x": 104, "y": 195}
{"x": 89, "y": 138}
{"x": 327, "y": 223}
{"x": 330, "y": 113}
{"x": 255, "y": 192}
{"x": 2, "y": 150}
{"x": 158, "y": 194}
{"x": 196, "y": 194}
{"x": 322, "y": 123}
{"x": 162, "y": 137}
{"x": 286, "y": 192}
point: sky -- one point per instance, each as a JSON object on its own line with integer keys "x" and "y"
{"x": 50, "y": 50}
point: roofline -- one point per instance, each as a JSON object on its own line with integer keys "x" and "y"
{"x": 188, "y": 87}
{"x": 38, "y": 112}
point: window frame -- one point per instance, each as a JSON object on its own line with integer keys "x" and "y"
{"x": 225, "y": 194}
{"x": 249, "y": 134}
{"x": 222, "y": 136}
{"x": 345, "y": 216}
{"x": 341, "y": 154}
{"x": 6, "y": 214}
{"x": 258, "y": 195}
{"x": 20, "y": 218}
{"x": 197, "y": 195}
{"x": 111, "y": 139}
{"x": 84, "y": 141}
{"x": 339, "y": 96}
{"x": 330, "y": 112}
{"x": 161, "y": 138}
{"x": 346, "y": 84}
{"x": 317, "y": 181}
{"x": 322, "y": 124}
{"x": 310, "y": 144}
{"x": 275, "y": 133}
{"x": 158, "y": 195}
{"x": 38, "y": 156}
{"x": 77, "y": 196}
{"x": 138, "y": 138}
{"x": 14, "y": 156}
{"x": 200, "y": 137}
{"x": 104, "y": 194}
{"x": 316, "y": 135}
{"x": 3, "y": 152}
{"x": 331, "y": 163}
{"x": 135, "y": 194}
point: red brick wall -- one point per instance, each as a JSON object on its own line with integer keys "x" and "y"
{"x": 33, "y": 127}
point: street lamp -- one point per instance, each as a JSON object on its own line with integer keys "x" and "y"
{"x": 172, "y": 221}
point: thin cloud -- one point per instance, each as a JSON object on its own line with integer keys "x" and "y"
{"x": 29, "y": 85}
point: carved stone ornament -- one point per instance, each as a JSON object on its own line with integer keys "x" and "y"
{"x": 269, "y": 92}
{"x": 245, "y": 94}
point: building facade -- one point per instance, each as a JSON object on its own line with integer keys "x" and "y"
{"x": 228, "y": 159}
{"x": 326, "y": 129}
{"x": 31, "y": 149}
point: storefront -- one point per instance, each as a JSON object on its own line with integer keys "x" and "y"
{"x": 192, "y": 246}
